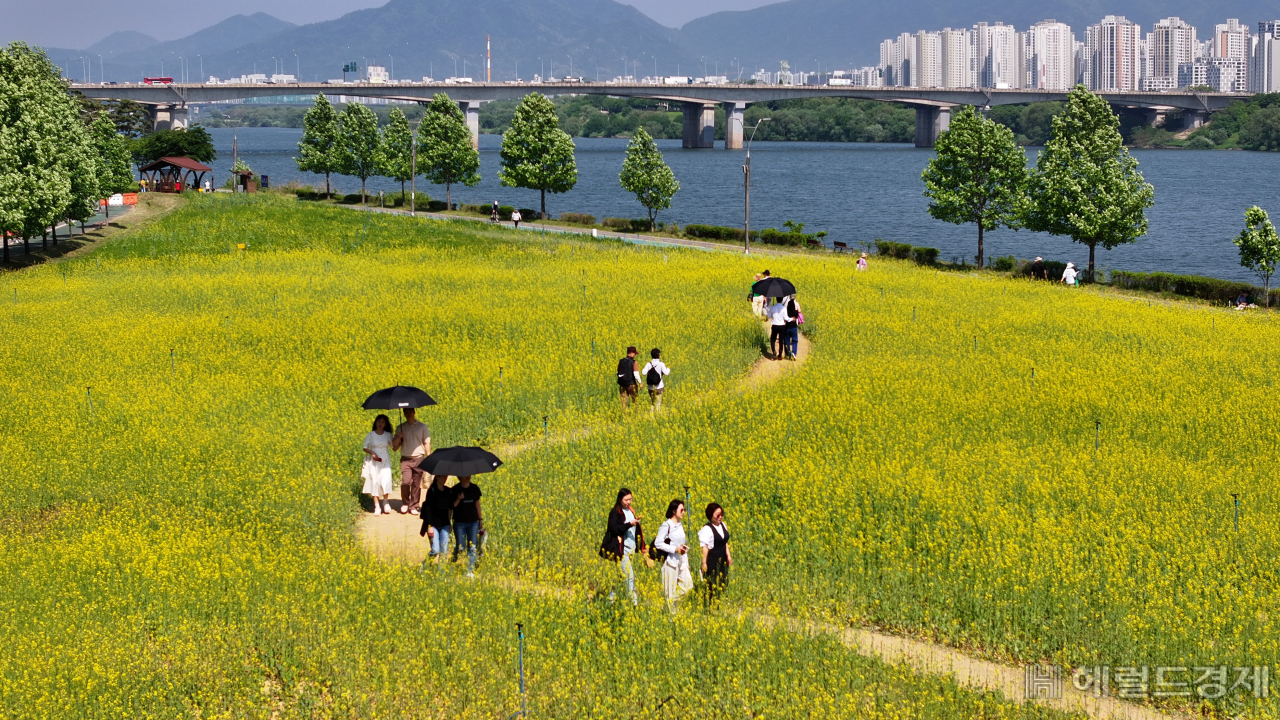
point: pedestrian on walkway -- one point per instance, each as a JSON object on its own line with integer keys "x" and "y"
{"x": 516, "y": 218}
{"x": 757, "y": 301}
{"x": 676, "y": 580}
{"x": 622, "y": 537}
{"x": 777, "y": 327}
{"x": 628, "y": 377}
{"x": 437, "y": 517}
{"x": 1037, "y": 269}
{"x": 468, "y": 520}
{"x": 413, "y": 440}
{"x": 1069, "y": 275}
{"x": 862, "y": 262}
{"x": 793, "y": 327}
{"x": 713, "y": 538}
{"x": 377, "y": 465}
{"x": 493, "y": 215}
{"x": 654, "y": 373}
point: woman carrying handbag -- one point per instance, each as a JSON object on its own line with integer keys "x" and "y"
{"x": 622, "y": 537}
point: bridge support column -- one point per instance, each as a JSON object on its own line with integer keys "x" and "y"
{"x": 471, "y": 109}
{"x": 699, "y": 125}
{"x": 931, "y": 121}
{"x": 161, "y": 117}
{"x": 1192, "y": 119}
{"x": 179, "y": 119}
{"x": 733, "y": 118}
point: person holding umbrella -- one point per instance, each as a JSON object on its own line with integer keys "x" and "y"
{"x": 468, "y": 517}
{"x": 413, "y": 440}
{"x": 436, "y": 517}
{"x": 377, "y": 465}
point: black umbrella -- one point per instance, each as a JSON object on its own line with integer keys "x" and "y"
{"x": 459, "y": 461}
{"x": 773, "y": 287}
{"x": 398, "y": 398}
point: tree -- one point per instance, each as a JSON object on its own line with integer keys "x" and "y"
{"x": 536, "y": 153}
{"x": 112, "y": 153}
{"x": 1262, "y": 131}
{"x": 397, "y": 149}
{"x": 1085, "y": 185}
{"x": 1259, "y": 246}
{"x": 646, "y": 175}
{"x": 193, "y": 142}
{"x": 132, "y": 119}
{"x": 317, "y": 148}
{"x": 978, "y": 176}
{"x": 359, "y": 144}
{"x": 445, "y": 154}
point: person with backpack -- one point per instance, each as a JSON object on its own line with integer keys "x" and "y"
{"x": 672, "y": 542}
{"x": 653, "y": 372}
{"x": 793, "y": 327}
{"x": 622, "y": 537}
{"x": 628, "y": 377}
{"x": 713, "y": 538}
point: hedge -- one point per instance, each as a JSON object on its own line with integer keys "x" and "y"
{"x": 1197, "y": 286}
{"x": 578, "y": 218}
{"x": 635, "y": 225}
{"x": 716, "y": 232}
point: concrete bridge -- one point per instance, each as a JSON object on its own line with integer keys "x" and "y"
{"x": 932, "y": 105}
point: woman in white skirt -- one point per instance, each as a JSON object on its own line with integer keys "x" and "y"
{"x": 671, "y": 540}
{"x": 377, "y": 465}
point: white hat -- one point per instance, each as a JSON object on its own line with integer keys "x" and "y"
{"x": 1071, "y": 265}
{"x": 1038, "y": 258}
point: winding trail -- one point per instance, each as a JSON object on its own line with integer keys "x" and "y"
{"x": 395, "y": 539}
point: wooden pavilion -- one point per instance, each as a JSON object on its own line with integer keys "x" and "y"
{"x": 173, "y": 174}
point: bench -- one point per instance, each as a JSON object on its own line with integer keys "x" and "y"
{"x": 841, "y": 246}
{"x": 814, "y": 243}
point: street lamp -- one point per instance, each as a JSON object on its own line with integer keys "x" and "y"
{"x": 746, "y": 182}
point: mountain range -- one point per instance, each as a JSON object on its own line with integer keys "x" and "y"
{"x": 441, "y": 38}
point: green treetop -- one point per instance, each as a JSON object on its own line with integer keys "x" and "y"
{"x": 316, "y": 149}
{"x": 445, "y": 154}
{"x": 112, "y": 152}
{"x": 193, "y": 142}
{"x": 359, "y": 144}
{"x": 536, "y": 153}
{"x": 978, "y": 176}
{"x": 397, "y": 149}
{"x": 1085, "y": 185}
{"x": 646, "y": 175}
{"x": 1259, "y": 246}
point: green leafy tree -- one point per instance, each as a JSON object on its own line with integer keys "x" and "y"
{"x": 1262, "y": 130}
{"x": 978, "y": 176}
{"x": 645, "y": 175}
{"x": 193, "y": 142}
{"x": 397, "y": 149}
{"x": 536, "y": 153}
{"x": 132, "y": 119}
{"x": 359, "y": 145}
{"x": 1259, "y": 246}
{"x": 1085, "y": 185}
{"x": 35, "y": 182}
{"x": 445, "y": 154}
{"x": 112, "y": 153}
{"x": 83, "y": 167}
{"x": 317, "y": 149}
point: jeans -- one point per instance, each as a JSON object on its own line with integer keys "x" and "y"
{"x": 440, "y": 543}
{"x": 628, "y": 576}
{"x": 468, "y": 532}
{"x": 793, "y": 340}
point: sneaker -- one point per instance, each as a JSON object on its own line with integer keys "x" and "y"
{"x": 403, "y": 509}
{"x": 471, "y": 576}
{"x": 386, "y": 508}
{"x": 413, "y": 511}
{"x": 377, "y": 509}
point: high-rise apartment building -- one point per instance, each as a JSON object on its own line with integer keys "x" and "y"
{"x": 955, "y": 57}
{"x": 1264, "y": 63}
{"x": 1230, "y": 40}
{"x": 926, "y": 66}
{"x": 896, "y": 57}
{"x": 1112, "y": 58}
{"x": 1173, "y": 42}
{"x": 1051, "y": 56}
{"x": 994, "y": 56}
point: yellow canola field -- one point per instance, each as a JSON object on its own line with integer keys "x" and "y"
{"x": 181, "y": 431}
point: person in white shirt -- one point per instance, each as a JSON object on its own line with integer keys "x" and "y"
{"x": 671, "y": 540}
{"x": 376, "y": 470}
{"x": 655, "y": 369}
{"x": 1069, "y": 275}
{"x": 713, "y": 538}
{"x": 516, "y": 218}
{"x": 777, "y": 327}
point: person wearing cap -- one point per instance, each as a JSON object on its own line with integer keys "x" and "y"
{"x": 862, "y": 262}
{"x": 1037, "y": 269}
{"x": 1069, "y": 275}
{"x": 628, "y": 377}
{"x": 757, "y": 301}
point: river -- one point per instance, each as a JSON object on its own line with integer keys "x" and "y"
{"x": 856, "y": 192}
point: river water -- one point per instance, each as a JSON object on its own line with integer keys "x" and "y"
{"x": 857, "y": 192}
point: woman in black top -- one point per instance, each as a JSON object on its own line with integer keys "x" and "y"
{"x": 716, "y": 558}
{"x": 436, "y": 520}
{"x": 622, "y": 537}
{"x": 792, "y": 341}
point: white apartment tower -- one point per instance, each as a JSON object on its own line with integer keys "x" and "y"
{"x": 1230, "y": 40}
{"x": 1051, "y": 56}
{"x": 994, "y": 56}
{"x": 896, "y": 57}
{"x": 1111, "y": 47}
{"x": 1264, "y": 65}
{"x": 1173, "y": 42}
{"x": 926, "y": 66}
{"x": 955, "y": 58}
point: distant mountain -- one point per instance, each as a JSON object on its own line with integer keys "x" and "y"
{"x": 841, "y": 33}
{"x": 121, "y": 42}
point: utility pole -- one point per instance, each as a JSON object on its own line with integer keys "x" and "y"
{"x": 746, "y": 181}
{"x": 488, "y": 60}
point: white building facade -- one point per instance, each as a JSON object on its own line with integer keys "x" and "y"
{"x": 1112, "y": 55}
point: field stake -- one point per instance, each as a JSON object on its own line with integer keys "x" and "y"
{"x": 544, "y": 427}
{"x": 975, "y": 342}
{"x": 1033, "y": 378}
{"x": 1097, "y": 435}
{"x": 520, "y": 665}
{"x": 1236, "y": 498}
{"x": 88, "y": 391}
{"x": 171, "y": 367}
{"x": 913, "y": 314}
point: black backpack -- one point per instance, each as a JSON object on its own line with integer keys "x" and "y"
{"x": 626, "y": 371}
{"x": 653, "y": 376}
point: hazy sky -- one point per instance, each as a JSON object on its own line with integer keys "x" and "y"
{"x": 81, "y": 23}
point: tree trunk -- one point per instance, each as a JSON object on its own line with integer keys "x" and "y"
{"x": 328, "y": 194}
{"x": 1267, "y": 286}
{"x": 364, "y": 200}
{"x": 448, "y": 197}
{"x": 26, "y": 245}
{"x": 403, "y": 197}
{"x": 4, "y": 238}
{"x": 544, "y": 206}
{"x": 979, "y": 245}
{"x": 1092, "y": 245}
{"x": 653, "y": 221}
{"x": 44, "y": 239}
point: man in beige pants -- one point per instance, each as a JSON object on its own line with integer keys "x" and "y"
{"x": 413, "y": 440}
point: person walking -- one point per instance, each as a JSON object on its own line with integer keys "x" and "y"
{"x": 654, "y": 373}
{"x": 793, "y": 327}
{"x": 757, "y": 301}
{"x": 468, "y": 520}
{"x": 777, "y": 327}
{"x": 713, "y": 538}
{"x": 413, "y": 440}
{"x": 516, "y": 218}
{"x": 628, "y": 377}
{"x": 1037, "y": 269}
{"x": 377, "y": 465}
{"x": 1069, "y": 275}
{"x": 436, "y": 518}
{"x": 862, "y": 262}
{"x": 676, "y": 580}
{"x": 622, "y": 537}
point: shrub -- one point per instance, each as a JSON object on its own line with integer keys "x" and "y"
{"x": 717, "y": 232}
{"x": 350, "y": 199}
{"x": 1004, "y": 263}
{"x": 777, "y": 237}
{"x": 578, "y": 218}
{"x": 477, "y": 209}
{"x": 888, "y": 248}
{"x": 925, "y": 255}
{"x": 436, "y": 206}
{"x": 529, "y": 214}
{"x": 1197, "y": 286}
{"x": 634, "y": 225}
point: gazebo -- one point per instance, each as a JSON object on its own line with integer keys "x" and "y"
{"x": 172, "y": 174}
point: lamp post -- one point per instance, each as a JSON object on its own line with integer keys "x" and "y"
{"x": 746, "y": 182}
{"x": 102, "y": 77}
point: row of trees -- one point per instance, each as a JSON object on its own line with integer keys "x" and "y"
{"x": 55, "y": 165}
{"x": 1085, "y": 185}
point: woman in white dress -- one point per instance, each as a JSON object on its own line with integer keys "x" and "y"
{"x": 671, "y": 541}
{"x": 377, "y": 465}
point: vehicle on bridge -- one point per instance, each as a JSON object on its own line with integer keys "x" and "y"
{"x": 157, "y": 80}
